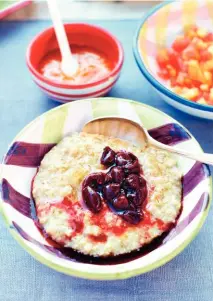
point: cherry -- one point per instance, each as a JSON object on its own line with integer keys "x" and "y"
{"x": 141, "y": 195}
{"x": 132, "y": 217}
{"x": 122, "y": 158}
{"x": 120, "y": 203}
{"x": 94, "y": 179}
{"x": 117, "y": 174}
{"x": 132, "y": 196}
{"x": 108, "y": 156}
{"x": 132, "y": 167}
{"x": 110, "y": 191}
{"x": 92, "y": 199}
{"x": 133, "y": 181}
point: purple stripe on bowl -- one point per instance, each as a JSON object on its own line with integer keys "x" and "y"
{"x": 45, "y": 247}
{"x": 27, "y": 154}
{"x": 18, "y": 201}
{"x": 169, "y": 134}
{"x": 194, "y": 176}
{"x": 201, "y": 205}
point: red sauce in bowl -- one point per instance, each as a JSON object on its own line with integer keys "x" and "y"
{"x": 93, "y": 66}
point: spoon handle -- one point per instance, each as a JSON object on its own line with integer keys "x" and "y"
{"x": 59, "y": 29}
{"x": 200, "y": 157}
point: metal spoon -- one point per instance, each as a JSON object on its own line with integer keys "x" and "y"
{"x": 69, "y": 64}
{"x": 135, "y": 133}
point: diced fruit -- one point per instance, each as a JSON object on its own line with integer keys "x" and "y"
{"x": 209, "y": 37}
{"x": 190, "y": 93}
{"x": 206, "y": 96}
{"x": 204, "y": 87}
{"x": 164, "y": 74}
{"x": 163, "y": 58}
{"x": 210, "y": 50}
{"x": 208, "y": 66}
{"x": 180, "y": 43}
{"x": 195, "y": 72}
{"x": 202, "y": 101}
{"x": 208, "y": 77}
{"x": 202, "y": 32}
{"x": 173, "y": 59}
{"x": 172, "y": 72}
{"x": 188, "y": 65}
{"x": 205, "y": 55}
{"x": 190, "y": 53}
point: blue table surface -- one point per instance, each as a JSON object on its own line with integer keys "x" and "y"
{"x": 187, "y": 277}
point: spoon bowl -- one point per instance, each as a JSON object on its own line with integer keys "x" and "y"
{"x": 137, "y": 134}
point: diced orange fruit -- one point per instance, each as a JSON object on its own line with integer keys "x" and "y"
{"x": 195, "y": 72}
{"x": 209, "y": 77}
{"x": 208, "y": 66}
{"x": 202, "y": 33}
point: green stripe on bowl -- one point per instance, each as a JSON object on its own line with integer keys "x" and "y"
{"x": 104, "y": 108}
{"x": 54, "y": 125}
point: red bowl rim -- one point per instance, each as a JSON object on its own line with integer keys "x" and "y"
{"x": 115, "y": 70}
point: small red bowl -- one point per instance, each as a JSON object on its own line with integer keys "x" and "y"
{"x": 82, "y": 35}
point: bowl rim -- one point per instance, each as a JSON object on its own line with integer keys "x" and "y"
{"x": 120, "y": 274}
{"x": 56, "y": 84}
{"x": 151, "y": 79}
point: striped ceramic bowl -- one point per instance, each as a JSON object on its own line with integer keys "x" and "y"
{"x": 28, "y": 148}
{"x": 78, "y": 34}
{"x": 158, "y": 29}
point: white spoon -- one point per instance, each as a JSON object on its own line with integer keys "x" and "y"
{"x": 135, "y": 133}
{"x": 69, "y": 64}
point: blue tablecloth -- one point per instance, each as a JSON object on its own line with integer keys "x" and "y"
{"x": 188, "y": 277}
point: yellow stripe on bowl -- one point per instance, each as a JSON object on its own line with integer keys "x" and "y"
{"x": 162, "y": 26}
{"x": 189, "y": 11}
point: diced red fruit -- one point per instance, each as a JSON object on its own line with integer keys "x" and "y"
{"x": 120, "y": 203}
{"x": 190, "y": 53}
{"x": 205, "y": 55}
{"x": 94, "y": 179}
{"x": 92, "y": 199}
{"x": 180, "y": 43}
{"x": 206, "y": 96}
{"x": 132, "y": 217}
{"x": 108, "y": 156}
{"x": 162, "y": 58}
{"x": 209, "y": 37}
{"x": 110, "y": 191}
{"x": 173, "y": 59}
{"x": 164, "y": 74}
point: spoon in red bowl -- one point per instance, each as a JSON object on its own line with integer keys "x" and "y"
{"x": 136, "y": 134}
{"x": 69, "y": 64}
